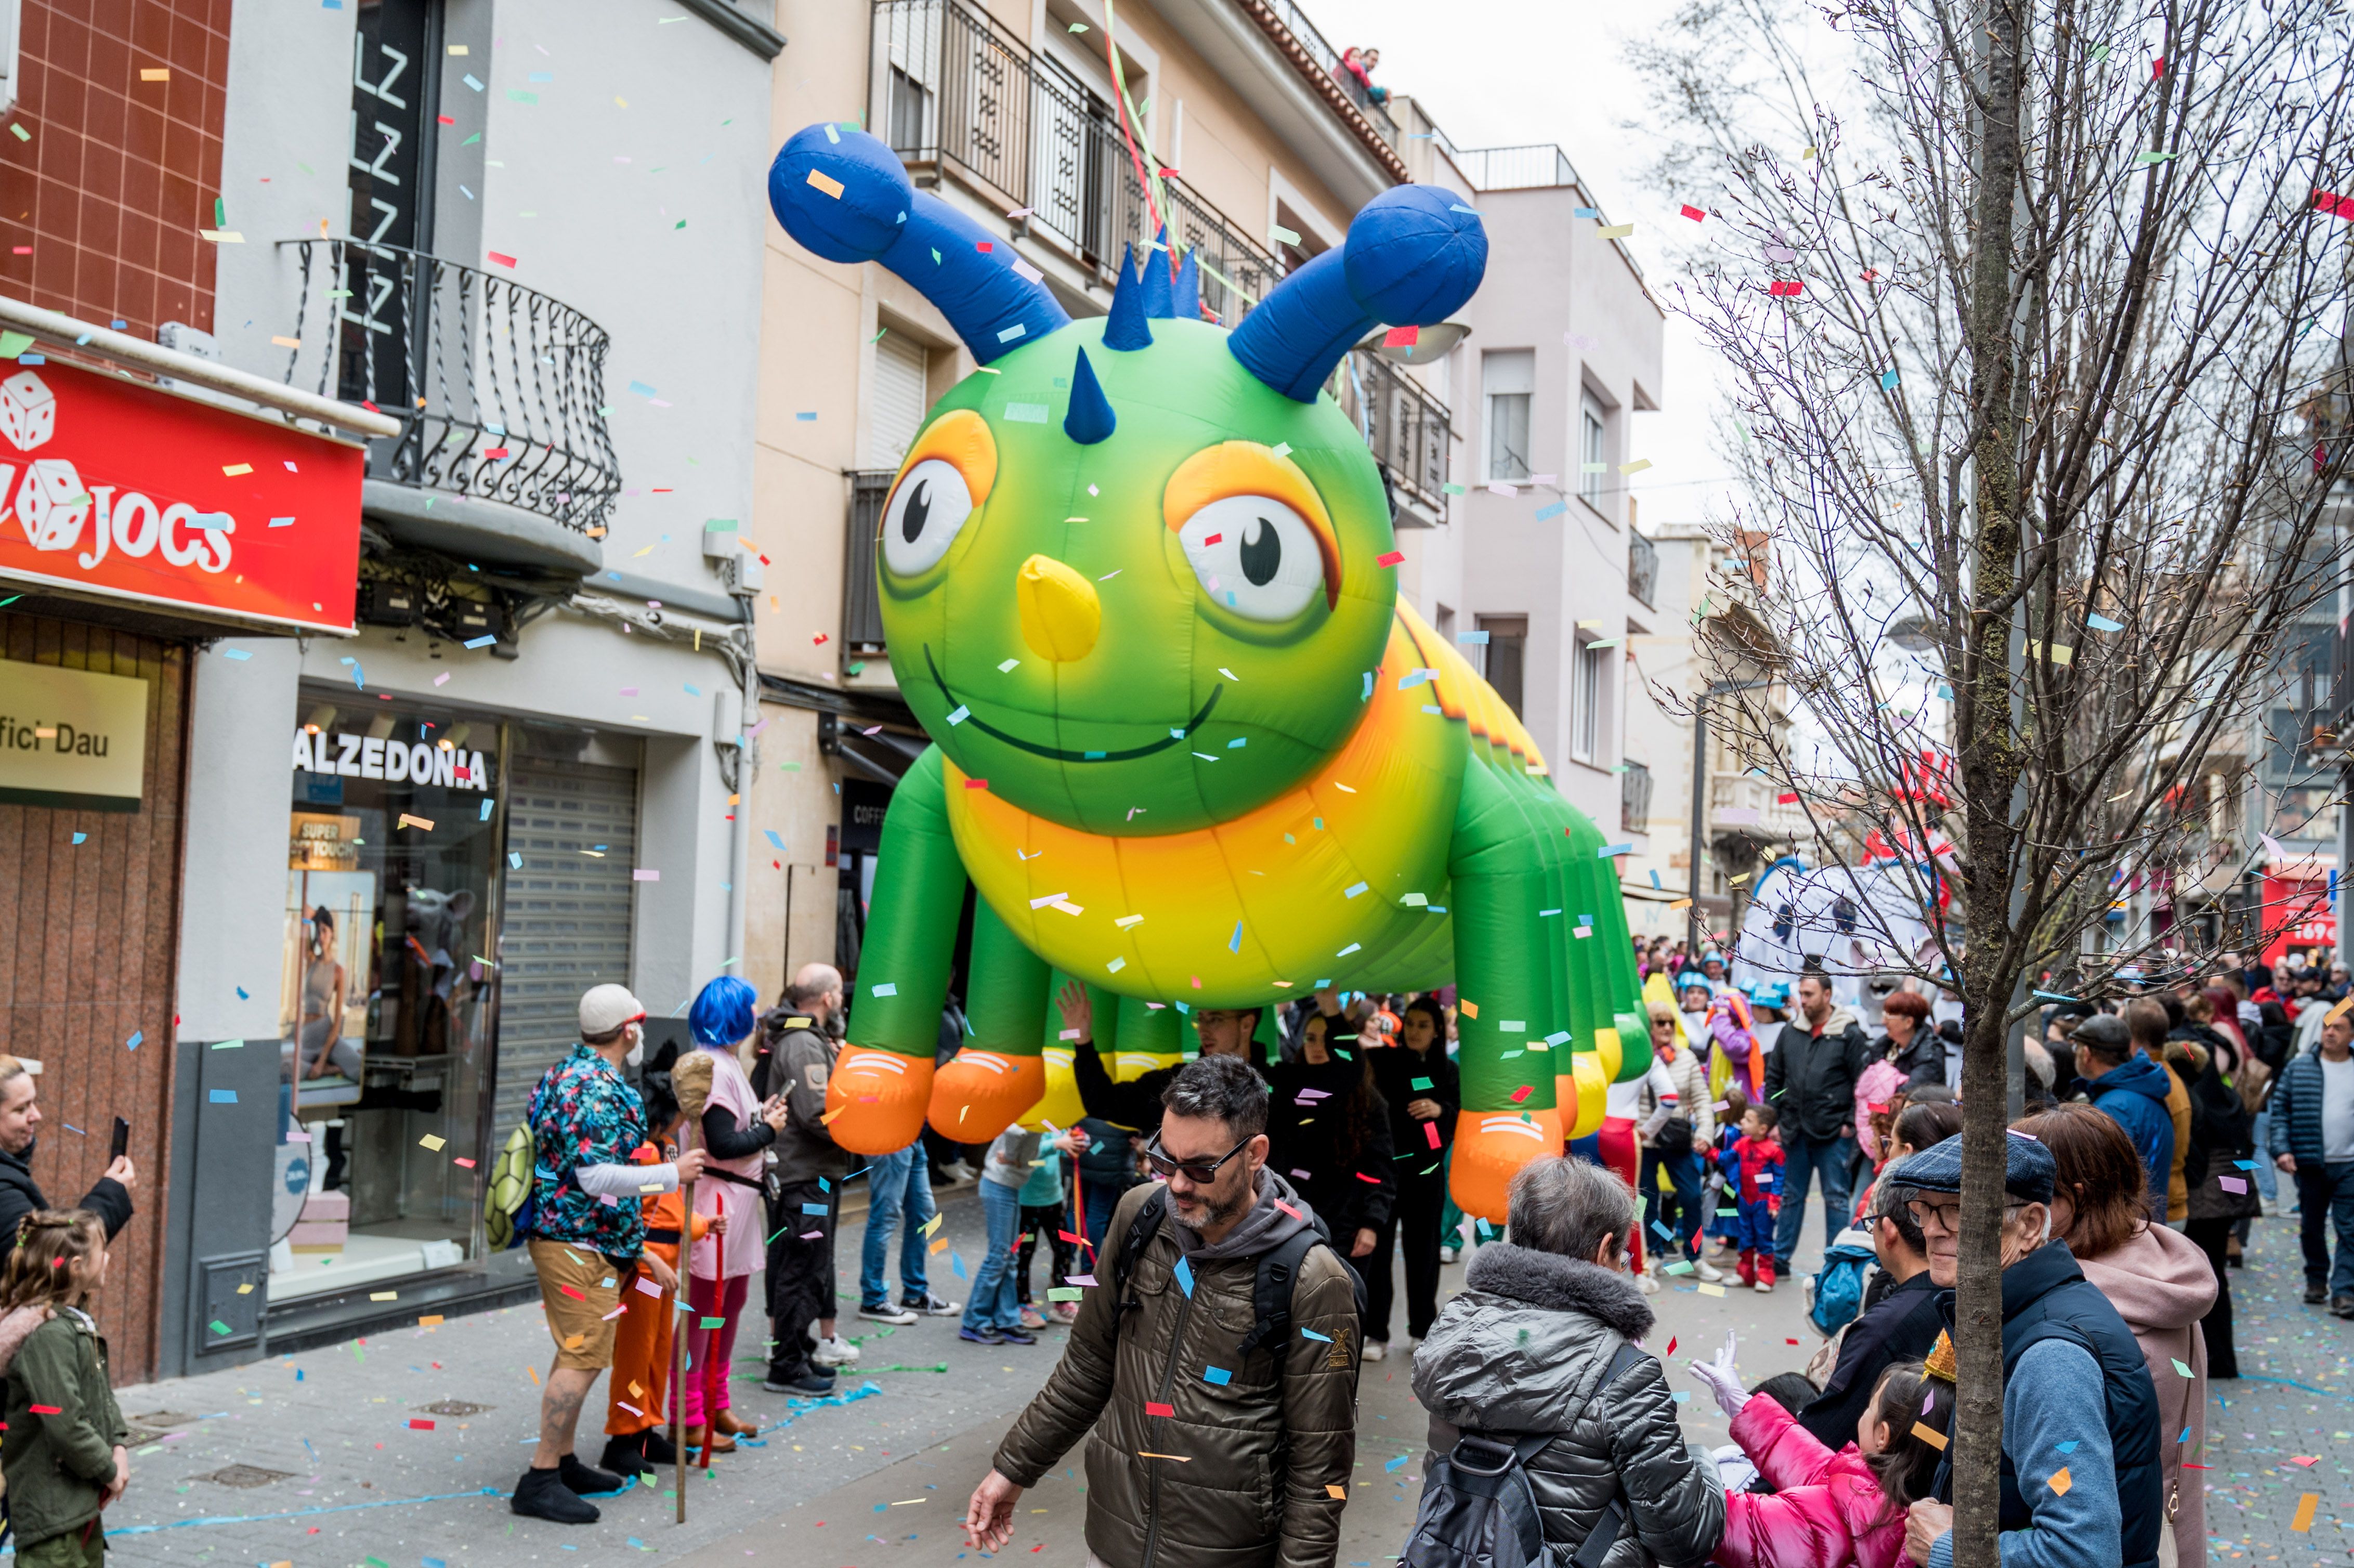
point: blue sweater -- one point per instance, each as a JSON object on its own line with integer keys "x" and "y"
{"x": 2054, "y": 1398}
{"x": 2135, "y": 1096}
{"x": 2295, "y": 1106}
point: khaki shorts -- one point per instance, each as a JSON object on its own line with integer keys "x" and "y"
{"x": 578, "y": 1286}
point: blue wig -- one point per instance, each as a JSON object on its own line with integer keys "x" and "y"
{"x": 722, "y": 1013}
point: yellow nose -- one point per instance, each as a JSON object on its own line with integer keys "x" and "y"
{"x": 1060, "y": 613}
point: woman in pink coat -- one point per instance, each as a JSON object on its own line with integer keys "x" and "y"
{"x": 2159, "y": 1280}
{"x": 1826, "y": 1510}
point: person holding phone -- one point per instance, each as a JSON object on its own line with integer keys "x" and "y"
{"x": 20, "y": 1122}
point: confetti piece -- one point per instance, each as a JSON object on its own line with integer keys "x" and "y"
{"x": 2305, "y": 1507}
{"x": 1936, "y": 1439}
{"x": 1184, "y": 1273}
{"x": 2060, "y": 1483}
{"x": 826, "y": 183}
{"x": 1396, "y": 1465}
{"x": 432, "y": 1140}
{"x": 224, "y": 1097}
{"x": 1391, "y": 558}
{"x": 1152, "y": 1408}
{"x": 1180, "y": 1458}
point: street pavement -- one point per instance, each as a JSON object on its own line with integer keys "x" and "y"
{"x": 318, "y": 1460}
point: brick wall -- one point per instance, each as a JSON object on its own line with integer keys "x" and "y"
{"x": 98, "y": 211}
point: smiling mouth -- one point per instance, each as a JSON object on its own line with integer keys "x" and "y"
{"x": 1057, "y": 754}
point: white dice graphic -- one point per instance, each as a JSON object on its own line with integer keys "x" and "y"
{"x": 28, "y": 410}
{"x": 51, "y": 503}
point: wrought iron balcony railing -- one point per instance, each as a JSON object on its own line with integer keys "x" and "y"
{"x": 862, "y": 600}
{"x": 955, "y": 90}
{"x": 1635, "y": 798}
{"x": 1642, "y": 568}
{"x": 497, "y": 386}
{"x": 1406, "y": 428}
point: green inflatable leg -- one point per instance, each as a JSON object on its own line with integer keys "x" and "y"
{"x": 999, "y": 1074}
{"x": 882, "y": 1084}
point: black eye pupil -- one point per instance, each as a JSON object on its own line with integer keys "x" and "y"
{"x": 1262, "y": 552}
{"x": 919, "y": 509}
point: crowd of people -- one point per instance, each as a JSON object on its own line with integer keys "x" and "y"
{"x": 1251, "y": 1207}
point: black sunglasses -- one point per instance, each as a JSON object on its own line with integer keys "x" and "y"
{"x": 1200, "y": 1174}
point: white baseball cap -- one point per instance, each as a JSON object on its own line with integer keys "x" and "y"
{"x": 606, "y": 1008}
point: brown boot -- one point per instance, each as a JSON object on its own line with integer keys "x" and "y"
{"x": 726, "y": 1420}
{"x": 696, "y": 1436}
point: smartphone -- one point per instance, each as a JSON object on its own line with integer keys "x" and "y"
{"x": 121, "y": 1144}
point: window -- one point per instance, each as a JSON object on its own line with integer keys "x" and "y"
{"x": 897, "y": 403}
{"x": 1591, "y": 462}
{"x": 1586, "y": 722}
{"x": 1501, "y": 656}
{"x": 1507, "y": 380}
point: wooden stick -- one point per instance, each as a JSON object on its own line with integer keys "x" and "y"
{"x": 678, "y": 1330}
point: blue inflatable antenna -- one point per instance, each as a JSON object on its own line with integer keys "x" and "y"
{"x": 1090, "y": 418}
{"x": 844, "y": 195}
{"x": 1127, "y": 331}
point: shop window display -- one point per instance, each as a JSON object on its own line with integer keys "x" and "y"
{"x": 389, "y": 1008}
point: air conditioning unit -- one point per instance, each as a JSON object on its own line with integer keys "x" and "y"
{"x": 385, "y": 603}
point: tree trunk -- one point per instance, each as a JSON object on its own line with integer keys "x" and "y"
{"x": 1989, "y": 754}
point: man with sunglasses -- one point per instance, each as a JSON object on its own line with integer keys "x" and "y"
{"x": 1186, "y": 1424}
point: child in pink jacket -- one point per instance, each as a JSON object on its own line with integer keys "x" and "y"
{"x": 1829, "y": 1510}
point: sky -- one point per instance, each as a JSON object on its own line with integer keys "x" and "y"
{"x": 1555, "y": 70}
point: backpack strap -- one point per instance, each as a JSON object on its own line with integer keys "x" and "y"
{"x": 1272, "y": 1287}
{"x": 1149, "y": 1215}
{"x": 1607, "y": 1530}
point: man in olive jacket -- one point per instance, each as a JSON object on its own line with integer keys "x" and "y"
{"x": 1247, "y": 1469}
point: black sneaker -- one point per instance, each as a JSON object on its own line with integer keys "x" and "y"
{"x": 624, "y": 1456}
{"x": 2315, "y": 1295}
{"x": 808, "y": 1385}
{"x": 983, "y": 1336}
{"x": 1012, "y": 1335}
{"x": 542, "y": 1494}
{"x": 588, "y": 1480}
{"x": 659, "y": 1449}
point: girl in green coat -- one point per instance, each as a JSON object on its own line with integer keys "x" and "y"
{"x": 63, "y": 1454}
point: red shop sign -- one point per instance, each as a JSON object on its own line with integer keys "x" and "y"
{"x": 108, "y": 487}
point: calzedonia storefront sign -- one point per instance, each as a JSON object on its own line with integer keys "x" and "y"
{"x": 115, "y": 489}
{"x": 71, "y": 738}
{"x": 390, "y": 758}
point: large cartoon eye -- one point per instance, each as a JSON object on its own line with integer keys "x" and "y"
{"x": 921, "y": 522}
{"x": 1257, "y": 556}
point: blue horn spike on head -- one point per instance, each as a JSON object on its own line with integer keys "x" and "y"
{"x": 1186, "y": 292}
{"x": 1126, "y": 330}
{"x": 1413, "y": 256}
{"x": 843, "y": 196}
{"x": 1090, "y": 417}
{"x": 1156, "y": 278}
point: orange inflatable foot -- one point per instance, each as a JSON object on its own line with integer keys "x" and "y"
{"x": 982, "y": 1093}
{"x": 874, "y": 1101}
{"x": 1491, "y": 1147}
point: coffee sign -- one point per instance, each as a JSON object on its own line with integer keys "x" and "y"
{"x": 71, "y": 738}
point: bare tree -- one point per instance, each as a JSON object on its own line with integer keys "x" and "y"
{"x": 2031, "y": 313}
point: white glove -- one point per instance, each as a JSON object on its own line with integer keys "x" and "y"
{"x": 1718, "y": 1376}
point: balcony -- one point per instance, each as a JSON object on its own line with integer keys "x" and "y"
{"x": 1743, "y": 806}
{"x": 503, "y": 455}
{"x": 862, "y": 600}
{"x": 1642, "y": 568}
{"x": 1635, "y": 798}
{"x": 1323, "y": 57}
{"x": 1407, "y": 430}
{"x": 958, "y": 95}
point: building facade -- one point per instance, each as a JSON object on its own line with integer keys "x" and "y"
{"x": 507, "y": 244}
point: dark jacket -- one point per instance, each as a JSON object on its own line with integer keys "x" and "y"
{"x": 59, "y": 1465}
{"x": 2045, "y": 1295}
{"x": 21, "y": 1195}
{"x": 1810, "y": 1078}
{"x": 1307, "y": 1143}
{"x": 796, "y": 1062}
{"x": 2295, "y": 1107}
{"x": 2135, "y": 1094}
{"x": 1921, "y": 1061}
{"x": 1520, "y": 1351}
{"x": 1133, "y": 1103}
{"x": 1258, "y": 1451}
{"x": 1395, "y": 1071}
{"x": 1901, "y": 1326}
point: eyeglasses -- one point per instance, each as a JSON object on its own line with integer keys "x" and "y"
{"x": 1948, "y": 1215}
{"x": 1196, "y": 1171}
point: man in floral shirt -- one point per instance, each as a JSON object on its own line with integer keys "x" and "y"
{"x": 587, "y": 1237}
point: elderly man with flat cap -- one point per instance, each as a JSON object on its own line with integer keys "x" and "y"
{"x": 2081, "y": 1481}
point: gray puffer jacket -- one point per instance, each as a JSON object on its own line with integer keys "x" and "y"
{"x": 1520, "y": 1351}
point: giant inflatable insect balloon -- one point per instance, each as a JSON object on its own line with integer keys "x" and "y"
{"x": 1189, "y": 745}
